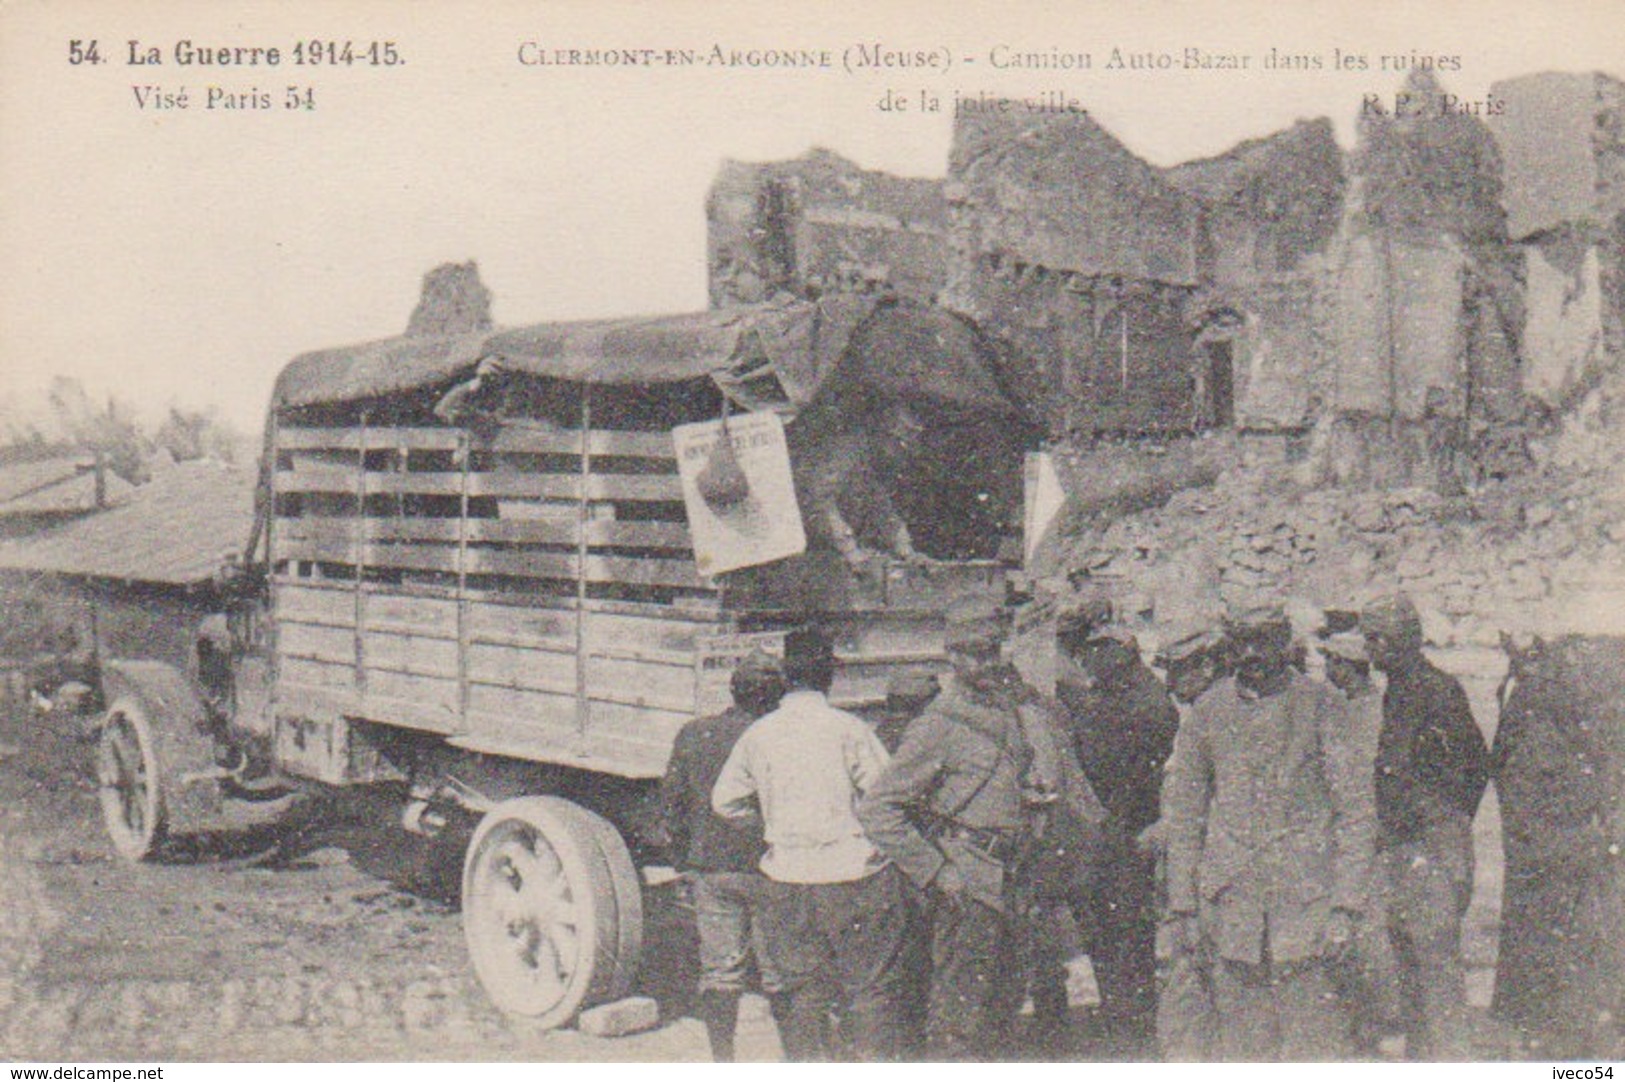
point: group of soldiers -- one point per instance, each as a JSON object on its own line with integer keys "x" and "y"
{"x": 1296, "y": 849}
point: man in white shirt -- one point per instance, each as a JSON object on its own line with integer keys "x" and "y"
{"x": 835, "y": 921}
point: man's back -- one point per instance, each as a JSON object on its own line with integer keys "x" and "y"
{"x": 1431, "y": 757}
{"x": 806, "y": 763}
{"x": 1123, "y": 732}
{"x": 703, "y": 841}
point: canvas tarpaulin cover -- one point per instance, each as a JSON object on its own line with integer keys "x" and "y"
{"x": 746, "y": 352}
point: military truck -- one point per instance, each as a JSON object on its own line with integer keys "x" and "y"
{"x": 472, "y": 585}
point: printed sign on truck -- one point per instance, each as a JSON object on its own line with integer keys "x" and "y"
{"x": 741, "y": 505}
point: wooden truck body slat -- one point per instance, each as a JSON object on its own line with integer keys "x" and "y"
{"x": 505, "y": 595}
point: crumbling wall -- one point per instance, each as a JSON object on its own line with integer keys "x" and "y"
{"x": 1266, "y": 205}
{"x": 1089, "y": 355}
{"x": 453, "y": 301}
{"x": 1279, "y": 357}
{"x": 819, "y": 224}
{"x": 1080, "y": 260}
{"x": 1425, "y": 300}
{"x": 1562, "y": 138}
{"x": 1268, "y": 211}
{"x": 1056, "y": 190}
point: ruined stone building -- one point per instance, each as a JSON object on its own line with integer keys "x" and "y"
{"x": 819, "y": 224}
{"x": 1400, "y": 313}
{"x": 1562, "y": 144}
{"x": 1128, "y": 300}
{"x": 1269, "y": 211}
{"x": 1081, "y": 260}
{"x": 1423, "y": 304}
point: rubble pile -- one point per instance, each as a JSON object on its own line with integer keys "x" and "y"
{"x": 1541, "y": 552}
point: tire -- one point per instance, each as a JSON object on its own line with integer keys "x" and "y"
{"x": 544, "y": 902}
{"x": 628, "y": 888}
{"x": 130, "y": 781}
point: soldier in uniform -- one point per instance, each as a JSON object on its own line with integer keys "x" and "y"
{"x": 907, "y": 696}
{"x": 719, "y": 857}
{"x": 1366, "y": 977}
{"x": 1193, "y": 662}
{"x": 1122, "y": 723}
{"x": 969, "y": 774}
{"x": 1432, "y": 768}
{"x": 1269, "y": 830}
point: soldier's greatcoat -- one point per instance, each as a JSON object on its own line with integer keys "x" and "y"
{"x": 1270, "y": 815}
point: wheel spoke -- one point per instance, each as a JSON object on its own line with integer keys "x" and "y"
{"x": 124, "y": 774}
{"x": 128, "y": 777}
{"x": 537, "y": 924}
{"x": 118, "y": 749}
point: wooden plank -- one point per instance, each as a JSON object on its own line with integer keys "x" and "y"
{"x": 334, "y": 645}
{"x": 653, "y": 535}
{"x": 626, "y": 741}
{"x": 493, "y": 734}
{"x": 631, "y": 570}
{"x": 615, "y": 633}
{"x": 499, "y": 666}
{"x": 602, "y": 441}
{"x": 638, "y": 739}
{"x": 493, "y": 709}
{"x": 299, "y": 699}
{"x": 411, "y": 557}
{"x": 333, "y": 606}
{"x": 312, "y": 701}
{"x": 618, "y": 680}
{"x": 407, "y": 713}
{"x": 516, "y": 439}
{"x": 650, "y": 535}
{"x": 316, "y": 673}
{"x": 522, "y": 624}
{"x": 660, "y": 488}
{"x": 683, "y": 659}
{"x": 412, "y": 654}
{"x": 641, "y": 683}
{"x": 427, "y": 696}
{"x": 428, "y": 616}
{"x": 349, "y": 439}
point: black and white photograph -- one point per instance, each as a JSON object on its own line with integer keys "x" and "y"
{"x": 897, "y": 532}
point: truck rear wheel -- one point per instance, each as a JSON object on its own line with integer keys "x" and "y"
{"x": 628, "y": 888}
{"x": 550, "y": 922}
{"x": 129, "y": 780}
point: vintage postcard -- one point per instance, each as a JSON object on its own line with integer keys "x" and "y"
{"x": 630, "y": 531}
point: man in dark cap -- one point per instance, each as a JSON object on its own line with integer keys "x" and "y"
{"x": 1193, "y": 663}
{"x": 719, "y": 857}
{"x": 1122, "y": 723}
{"x": 970, "y": 771}
{"x": 834, "y": 919}
{"x": 1268, "y": 817}
{"x": 1431, "y": 771}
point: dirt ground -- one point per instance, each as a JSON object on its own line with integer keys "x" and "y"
{"x": 314, "y": 932}
{"x": 281, "y": 939}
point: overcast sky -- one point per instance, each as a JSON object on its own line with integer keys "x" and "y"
{"x": 171, "y": 256}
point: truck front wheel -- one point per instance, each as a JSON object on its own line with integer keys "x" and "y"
{"x": 550, "y": 923}
{"x": 129, "y": 785}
